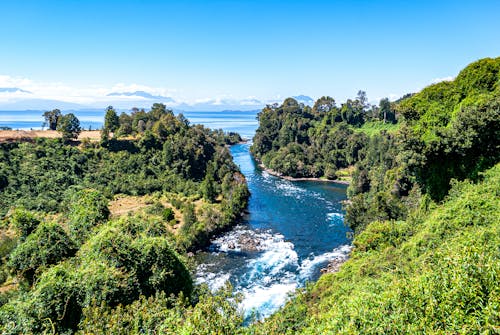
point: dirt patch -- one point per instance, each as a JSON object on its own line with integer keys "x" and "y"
{"x": 8, "y": 287}
{"x": 124, "y": 204}
{"x": 16, "y": 135}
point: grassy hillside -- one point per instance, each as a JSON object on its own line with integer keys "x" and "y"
{"x": 435, "y": 273}
{"x": 426, "y": 257}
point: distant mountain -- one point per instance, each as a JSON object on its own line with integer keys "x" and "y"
{"x": 141, "y": 94}
{"x": 140, "y": 99}
{"x": 251, "y": 102}
{"x": 217, "y": 107}
{"x": 13, "y": 90}
{"x": 306, "y": 100}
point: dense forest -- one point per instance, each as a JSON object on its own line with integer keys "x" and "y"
{"x": 95, "y": 225}
{"x": 424, "y": 206}
{"x": 394, "y": 152}
{"x": 423, "y": 203}
{"x": 299, "y": 141}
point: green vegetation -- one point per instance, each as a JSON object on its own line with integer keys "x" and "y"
{"x": 423, "y": 204}
{"x": 52, "y": 118}
{"x": 426, "y": 257}
{"x": 450, "y": 130}
{"x": 65, "y": 257}
{"x": 69, "y": 126}
{"x": 300, "y": 141}
{"x": 435, "y": 273}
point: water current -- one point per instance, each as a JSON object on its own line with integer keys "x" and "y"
{"x": 291, "y": 231}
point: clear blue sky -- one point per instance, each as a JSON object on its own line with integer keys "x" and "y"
{"x": 247, "y": 48}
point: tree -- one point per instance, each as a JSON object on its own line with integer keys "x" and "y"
{"x": 104, "y": 137}
{"x": 25, "y": 222}
{"x": 141, "y": 126}
{"x": 323, "y": 105}
{"x": 362, "y": 99}
{"x": 125, "y": 124}
{"x": 48, "y": 244}
{"x": 111, "y": 120}
{"x": 87, "y": 208}
{"x": 208, "y": 185}
{"x": 52, "y": 117}
{"x": 384, "y": 109}
{"x": 158, "y": 110}
{"x": 69, "y": 126}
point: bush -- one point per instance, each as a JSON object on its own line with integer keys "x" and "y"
{"x": 24, "y": 222}
{"x": 88, "y": 208}
{"x": 213, "y": 314}
{"x": 51, "y": 306}
{"x": 148, "y": 264}
{"x": 47, "y": 245}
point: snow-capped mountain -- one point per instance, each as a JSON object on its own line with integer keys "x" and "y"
{"x": 306, "y": 100}
{"x": 13, "y": 90}
{"x": 141, "y": 94}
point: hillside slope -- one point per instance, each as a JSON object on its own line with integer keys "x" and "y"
{"x": 437, "y": 272}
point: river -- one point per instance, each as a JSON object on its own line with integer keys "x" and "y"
{"x": 293, "y": 229}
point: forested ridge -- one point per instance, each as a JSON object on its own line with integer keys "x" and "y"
{"x": 90, "y": 225}
{"x": 423, "y": 203}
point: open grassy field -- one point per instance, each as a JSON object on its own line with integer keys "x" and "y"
{"x": 15, "y": 135}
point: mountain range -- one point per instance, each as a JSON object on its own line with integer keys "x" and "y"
{"x": 15, "y": 98}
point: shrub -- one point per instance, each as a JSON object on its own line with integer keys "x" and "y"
{"x": 87, "y": 209}
{"x": 24, "y": 222}
{"x": 47, "y": 245}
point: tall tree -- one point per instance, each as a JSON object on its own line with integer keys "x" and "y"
{"x": 384, "y": 109}
{"x": 69, "y": 126}
{"x": 52, "y": 117}
{"x": 111, "y": 120}
{"x": 125, "y": 124}
{"x": 323, "y": 105}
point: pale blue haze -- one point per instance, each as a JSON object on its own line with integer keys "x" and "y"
{"x": 255, "y": 48}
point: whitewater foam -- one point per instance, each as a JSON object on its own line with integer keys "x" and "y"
{"x": 262, "y": 301}
{"x": 311, "y": 264}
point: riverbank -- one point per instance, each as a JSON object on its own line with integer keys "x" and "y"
{"x": 280, "y": 175}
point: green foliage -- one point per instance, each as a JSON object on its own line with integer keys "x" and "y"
{"x": 417, "y": 267}
{"x": 111, "y": 120}
{"x": 208, "y": 188}
{"x": 47, "y": 245}
{"x": 23, "y": 221}
{"x": 51, "y": 306}
{"x": 374, "y": 128}
{"x": 146, "y": 264}
{"x": 298, "y": 141}
{"x": 69, "y": 126}
{"x": 436, "y": 273}
{"x": 125, "y": 122}
{"x": 167, "y": 214}
{"x": 213, "y": 314}
{"x": 116, "y": 265}
{"x": 52, "y": 118}
{"x": 452, "y": 130}
{"x": 86, "y": 209}
{"x": 111, "y": 264}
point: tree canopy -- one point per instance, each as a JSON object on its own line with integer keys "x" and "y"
{"x": 69, "y": 126}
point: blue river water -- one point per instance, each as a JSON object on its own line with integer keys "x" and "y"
{"x": 291, "y": 231}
